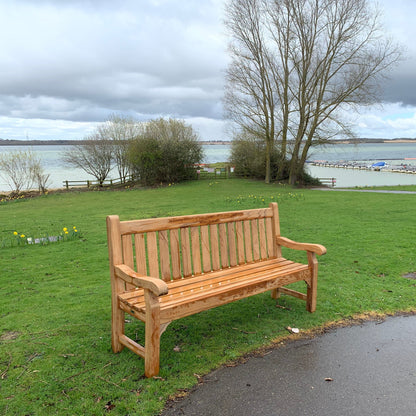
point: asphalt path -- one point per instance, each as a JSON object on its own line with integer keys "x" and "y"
{"x": 367, "y": 369}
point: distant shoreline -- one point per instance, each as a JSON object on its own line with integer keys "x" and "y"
{"x": 7, "y": 142}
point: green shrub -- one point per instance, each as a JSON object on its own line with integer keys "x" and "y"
{"x": 248, "y": 156}
{"x": 165, "y": 152}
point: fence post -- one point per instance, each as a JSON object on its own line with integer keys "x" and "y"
{"x": 88, "y": 183}
{"x": 66, "y": 185}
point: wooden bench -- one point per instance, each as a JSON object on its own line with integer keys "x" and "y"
{"x": 164, "y": 269}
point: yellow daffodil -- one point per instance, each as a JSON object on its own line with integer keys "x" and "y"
{"x": 65, "y": 229}
{"x": 15, "y": 233}
{"x": 22, "y": 236}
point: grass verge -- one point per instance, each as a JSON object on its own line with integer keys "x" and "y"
{"x": 55, "y": 353}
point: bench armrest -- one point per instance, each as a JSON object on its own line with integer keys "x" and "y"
{"x": 157, "y": 286}
{"x": 314, "y": 248}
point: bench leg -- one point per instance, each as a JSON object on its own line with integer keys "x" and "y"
{"x": 117, "y": 324}
{"x": 152, "y": 337}
{"x": 275, "y": 293}
{"x": 313, "y": 286}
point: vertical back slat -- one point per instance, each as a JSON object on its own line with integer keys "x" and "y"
{"x": 140, "y": 248}
{"x": 128, "y": 258}
{"x": 164, "y": 255}
{"x": 206, "y": 257}
{"x": 269, "y": 238}
{"x": 152, "y": 254}
{"x": 186, "y": 252}
{"x": 231, "y": 243}
{"x": 175, "y": 254}
{"x": 215, "y": 248}
{"x": 262, "y": 239}
{"x": 255, "y": 238}
{"x": 277, "y": 250}
{"x": 222, "y": 230}
{"x": 247, "y": 241}
{"x": 240, "y": 242}
{"x": 196, "y": 251}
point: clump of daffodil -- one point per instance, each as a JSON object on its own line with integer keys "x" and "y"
{"x": 70, "y": 233}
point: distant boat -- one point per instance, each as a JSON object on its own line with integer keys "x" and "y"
{"x": 378, "y": 165}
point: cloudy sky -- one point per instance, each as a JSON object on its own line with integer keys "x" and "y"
{"x": 66, "y": 65}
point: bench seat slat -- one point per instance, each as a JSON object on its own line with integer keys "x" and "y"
{"x": 234, "y": 292}
{"x": 255, "y": 277}
{"x": 222, "y": 283}
{"x": 215, "y": 277}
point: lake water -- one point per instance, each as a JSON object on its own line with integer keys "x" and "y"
{"x": 392, "y": 153}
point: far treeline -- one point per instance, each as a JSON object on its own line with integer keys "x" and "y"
{"x": 54, "y": 142}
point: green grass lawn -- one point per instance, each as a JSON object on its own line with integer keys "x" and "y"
{"x": 55, "y": 318}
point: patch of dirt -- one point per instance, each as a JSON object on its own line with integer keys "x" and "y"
{"x": 410, "y": 276}
{"x": 8, "y": 336}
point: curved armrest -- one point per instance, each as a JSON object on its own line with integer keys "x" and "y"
{"x": 157, "y": 286}
{"x": 314, "y": 248}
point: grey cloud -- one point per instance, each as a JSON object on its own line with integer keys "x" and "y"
{"x": 153, "y": 57}
{"x": 401, "y": 87}
{"x": 82, "y": 60}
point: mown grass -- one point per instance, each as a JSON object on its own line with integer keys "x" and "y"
{"x": 55, "y": 353}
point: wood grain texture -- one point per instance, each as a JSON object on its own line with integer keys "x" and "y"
{"x": 188, "y": 264}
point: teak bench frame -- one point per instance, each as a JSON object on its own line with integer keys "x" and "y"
{"x": 164, "y": 269}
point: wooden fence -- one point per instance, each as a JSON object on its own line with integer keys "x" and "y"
{"x": 215, "y": 173}
{"x": 328, "y": 181}
{"x": 95, "y": 183}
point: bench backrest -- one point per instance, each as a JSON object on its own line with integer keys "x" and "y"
{"x": 179, "y": 247}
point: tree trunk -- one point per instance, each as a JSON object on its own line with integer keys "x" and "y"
{"x": 268, "y": 161}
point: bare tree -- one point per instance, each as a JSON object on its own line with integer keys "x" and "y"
{"x": 39, "y": 176}
{"x": 120, "y": 130}
{"x": 94, "y": 156}
{"x": 297, "y": 64}
{"x": 22, "y": 169}
{"x": 249, "y": 96}
{"x": 15, "y": 169}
